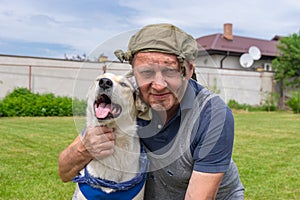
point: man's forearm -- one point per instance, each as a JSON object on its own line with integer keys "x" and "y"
{"x": 203, "y": 185}
{"x": 72, "y": 160}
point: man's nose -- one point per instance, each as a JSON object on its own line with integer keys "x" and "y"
{"x": 159, "y": 81}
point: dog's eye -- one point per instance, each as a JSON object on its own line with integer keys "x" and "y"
{"x": 123, "y": 84}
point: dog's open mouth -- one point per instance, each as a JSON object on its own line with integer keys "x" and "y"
{"x": 105, "y": 109}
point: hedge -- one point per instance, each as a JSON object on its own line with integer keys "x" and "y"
{"x": 22, "y": 102}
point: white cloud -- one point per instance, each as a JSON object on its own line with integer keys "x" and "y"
{"x": 37, "y": 25}
{"x": 255, "y": 18}
{"x": 83, "y": 25}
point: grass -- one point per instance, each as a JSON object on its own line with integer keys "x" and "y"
{"x": 29, "y": 149}
{"x": 266, "y": 150}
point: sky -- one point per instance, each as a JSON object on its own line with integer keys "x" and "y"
{"x": 59, "y": 28}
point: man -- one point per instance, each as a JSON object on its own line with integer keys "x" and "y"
{"x": 190, "y": 137}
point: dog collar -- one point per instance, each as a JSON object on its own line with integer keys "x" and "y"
{"x": 90, "y": 180}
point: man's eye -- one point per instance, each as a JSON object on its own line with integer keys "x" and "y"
{"x": 147, "y": 73}
{"x": 170, "y": 72}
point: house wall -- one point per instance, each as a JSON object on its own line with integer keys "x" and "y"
{"x": 229, "y": 62}
{"x": 73, "y": 78}
{"x": 249, "y": 87}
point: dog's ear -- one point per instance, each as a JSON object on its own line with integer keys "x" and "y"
{"x": 143, "y": 110}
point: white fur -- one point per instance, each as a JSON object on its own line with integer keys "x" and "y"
{"x": 123, "y": 164}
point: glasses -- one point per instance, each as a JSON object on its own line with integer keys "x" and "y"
{"x": 149, "y": 72}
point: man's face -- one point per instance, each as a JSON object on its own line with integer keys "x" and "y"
{"x": 159, "y": 79}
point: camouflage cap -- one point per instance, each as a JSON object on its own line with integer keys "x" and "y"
{"x": 165, "y": 38}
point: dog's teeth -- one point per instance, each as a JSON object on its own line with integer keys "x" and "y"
{"x": 117, "y": 111}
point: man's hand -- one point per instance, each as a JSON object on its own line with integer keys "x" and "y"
{"x": 98, "y": 141}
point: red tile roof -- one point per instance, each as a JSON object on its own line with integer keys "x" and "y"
{"x": 239, "y": 44}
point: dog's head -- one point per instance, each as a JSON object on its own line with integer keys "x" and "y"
{"x": 112, "y": 98}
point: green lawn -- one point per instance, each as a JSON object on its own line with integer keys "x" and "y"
{"x": 266, "y": 150}
{"x": 267, "y": 147}
{"x": 29, "y": 149}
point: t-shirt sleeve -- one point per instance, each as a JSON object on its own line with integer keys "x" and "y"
{"x": 213, "y": 141}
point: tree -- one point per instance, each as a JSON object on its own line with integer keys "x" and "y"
{"x": 287, "y": 63}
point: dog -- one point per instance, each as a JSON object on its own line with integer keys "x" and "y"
{"x": 112, "y": 101}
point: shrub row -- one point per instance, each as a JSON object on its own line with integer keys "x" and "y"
{"x": 22, "y": 102}
{"x": 293, "y": 103}
{"x": 235, "y": 105}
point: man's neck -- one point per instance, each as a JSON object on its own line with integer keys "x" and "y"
{"x": 165, "y": 116}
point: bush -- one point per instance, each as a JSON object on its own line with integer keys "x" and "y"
{"x": 79, "y": 107}
{"x": 22, "y": 102}
{"x": 294, "y": 101}
{"x": 271, "y": 101}
{"x": 236, "y": 106}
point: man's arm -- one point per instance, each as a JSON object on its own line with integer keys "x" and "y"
{"x": 72, "y": 160}
{"x": 97, "y": 142}
{"x": 203, "y": 186}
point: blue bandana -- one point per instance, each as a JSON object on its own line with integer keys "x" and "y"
{"x": 126, "y": 189}
{"x": 92, "y": 193}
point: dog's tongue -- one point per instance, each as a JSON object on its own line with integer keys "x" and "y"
{"x": 102, "y": 110}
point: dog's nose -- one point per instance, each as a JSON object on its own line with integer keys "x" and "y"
{"x": 105, "y": 83}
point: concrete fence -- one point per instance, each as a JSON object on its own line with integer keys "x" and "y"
{"x": 247, "y": 87}
{"x": 61, "y": 77}
{"x": 72, "y": 78}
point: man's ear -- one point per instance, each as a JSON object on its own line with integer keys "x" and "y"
{"x": 143, "y": 110}
{"x": 191, "y": 70}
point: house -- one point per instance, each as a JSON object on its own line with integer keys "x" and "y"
{"x": 236, "y": 67}
{"x": 226, "y": 50}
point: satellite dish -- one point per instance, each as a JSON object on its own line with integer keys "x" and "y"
{"x": 246, "y": 60}
{"x": 254, "y": 52}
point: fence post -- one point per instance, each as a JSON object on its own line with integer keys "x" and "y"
{"x": 29, "y": 77}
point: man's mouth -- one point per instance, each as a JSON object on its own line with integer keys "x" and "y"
{"x": 105, "y": 108}
{"x": 160, "y": 97}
